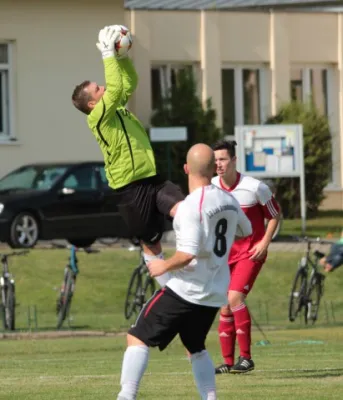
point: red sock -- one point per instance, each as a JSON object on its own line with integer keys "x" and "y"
{"x": 227, "y": 337}
{"x": 243, "y": 329}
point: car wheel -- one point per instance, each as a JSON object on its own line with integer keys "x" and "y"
{"x": 83, "y": 243}
{"x": 24, "y": 231}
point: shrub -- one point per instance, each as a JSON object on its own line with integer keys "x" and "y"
{"x": 317, "y": 158}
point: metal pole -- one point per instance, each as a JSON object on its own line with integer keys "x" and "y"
{"x": 169, "y": 161}
{"x": 302, "y": 183}
{"x": 35, "y": 316}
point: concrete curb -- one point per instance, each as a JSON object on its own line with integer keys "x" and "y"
{"x": 57, "y": 334}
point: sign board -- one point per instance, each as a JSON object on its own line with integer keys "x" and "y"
{"x": 272, "y": 151}
{"x": 165, "y": 134}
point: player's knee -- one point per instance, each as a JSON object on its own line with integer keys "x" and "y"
{"x": 153, "y": 241}
{"x": 197, "y": 355}
{"x": 236, "y": 298}
{"x": 192, "y": 344}
{"x": 173, "y": 210}
{"x": 193, "y": 349}
{"x": 133, "y": 341}
{"x": 225, "y": 310}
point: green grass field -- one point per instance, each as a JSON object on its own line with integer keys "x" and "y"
{"x": 89, "y": 368}
{"x": 301, "y": 363}
{"x": 327, "y": 225}
{"x": 101, "y": 287}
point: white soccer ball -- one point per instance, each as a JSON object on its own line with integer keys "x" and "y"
{"x": 124, "y": 43}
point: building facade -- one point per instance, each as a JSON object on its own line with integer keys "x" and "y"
{"x": 248, "y": 62}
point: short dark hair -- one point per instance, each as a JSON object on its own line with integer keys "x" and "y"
{"x": 229, "y": 145}
{"x": 80, "y": 97}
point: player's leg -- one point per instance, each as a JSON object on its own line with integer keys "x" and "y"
{"x": 155, "y": 326}
{"x": 134, "y": 364}
{"x": 227, "y": 333}
{"x": 334, "y": 259}
{"x": 163, "y": 201}
{"x": 168, "y": 198}
{"x": 137, "y": 206}
{"x": 193, "y": 335}
{"x": 246, "y": 272}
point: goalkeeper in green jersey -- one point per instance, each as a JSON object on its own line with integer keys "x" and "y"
{"x": 143, "y": 198}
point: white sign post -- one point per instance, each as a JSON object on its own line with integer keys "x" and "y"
{"x": 273, "y": 151}
{"x": 168, "y": 135}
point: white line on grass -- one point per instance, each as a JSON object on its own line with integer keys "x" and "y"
{"x": 175, "y": 373}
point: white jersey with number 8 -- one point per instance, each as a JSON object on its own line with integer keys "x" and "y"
{"x": 206, "y": 224}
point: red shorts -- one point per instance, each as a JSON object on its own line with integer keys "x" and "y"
{"x": 243, "y": 275}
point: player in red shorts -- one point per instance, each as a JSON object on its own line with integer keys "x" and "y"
{"x": 246, "y": 257}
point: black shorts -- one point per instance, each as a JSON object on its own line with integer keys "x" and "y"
{"x": 166, "y": 315}
{"x": 144, "y": 206}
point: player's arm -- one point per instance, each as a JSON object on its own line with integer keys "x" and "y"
{"x": 114, "y": 84}
{"x": 187, "y": 244}
{"x": 188, "y": 240}
{"x": 129, "y": 78}
{"x": 111, "y": 99}
{"x": 271, "y": 210}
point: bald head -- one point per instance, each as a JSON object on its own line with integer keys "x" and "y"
{"x": 200, "y": 160}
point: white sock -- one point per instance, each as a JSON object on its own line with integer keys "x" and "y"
{"x": 203, "y": 371}
{"x": 163, "y": 279}
{"x": 134, "y": 364}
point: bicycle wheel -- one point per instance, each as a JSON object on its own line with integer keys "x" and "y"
{"x": 3, "y": 302}
{"x": 148, "y": 290}
{"x": 65, "y": 299}
{"x": 10, "y": 307}
{"x": 314, "y": 295}
{"x": 133, "y": 294}
{"x": 296, "y": 301}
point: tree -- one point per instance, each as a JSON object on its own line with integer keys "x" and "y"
{"x": 182, "y": 107}
{"x": 317, "y": 158}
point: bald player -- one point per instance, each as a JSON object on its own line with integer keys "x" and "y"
{"x": 206, "y": 224}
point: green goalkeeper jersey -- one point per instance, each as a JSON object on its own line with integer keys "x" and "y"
{"x": 123, "y": 140}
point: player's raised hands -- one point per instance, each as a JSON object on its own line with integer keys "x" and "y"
{"x": 106, "y": 41}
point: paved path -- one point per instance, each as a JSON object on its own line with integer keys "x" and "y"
{"x": 168, "y": 241}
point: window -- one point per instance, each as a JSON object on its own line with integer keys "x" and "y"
{"x": 83, "y": 178}
{"x": 251, "y": 93}
{"x": 164, "y": 77}
{"x": 312, "y": 84}
{"x": 316, "y": 84}
{"x": 103, "y": 178}
{"x": 32, "y": 177}
{"x": 296, "y": 85}
{"x": 5, "y": 131}
{"x": 228, "y": 96}
{"x": 244, "y": 97}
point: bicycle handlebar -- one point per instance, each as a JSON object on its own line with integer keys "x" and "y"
{"x": 306, "y": 239}
{"x": 15, "y": 253}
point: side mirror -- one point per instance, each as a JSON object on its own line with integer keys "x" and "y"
{"x": 67, "y": 191}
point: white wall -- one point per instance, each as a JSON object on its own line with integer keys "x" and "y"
{"x": 54, "y": 51}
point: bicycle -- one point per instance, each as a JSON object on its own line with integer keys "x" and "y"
{"x": 68, "y": 285}
{"x": 141, "y": 286}
{"x": 8, "y": 291}
{"x": 308, "y": 285}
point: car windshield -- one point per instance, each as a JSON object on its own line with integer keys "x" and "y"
{"x": 32, "y": 177}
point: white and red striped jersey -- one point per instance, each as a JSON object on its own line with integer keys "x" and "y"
{"x": 205, "y": 225}
{"x": 258, "y": 204}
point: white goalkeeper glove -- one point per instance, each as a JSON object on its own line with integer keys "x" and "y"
{"x": 106, "y": 41}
